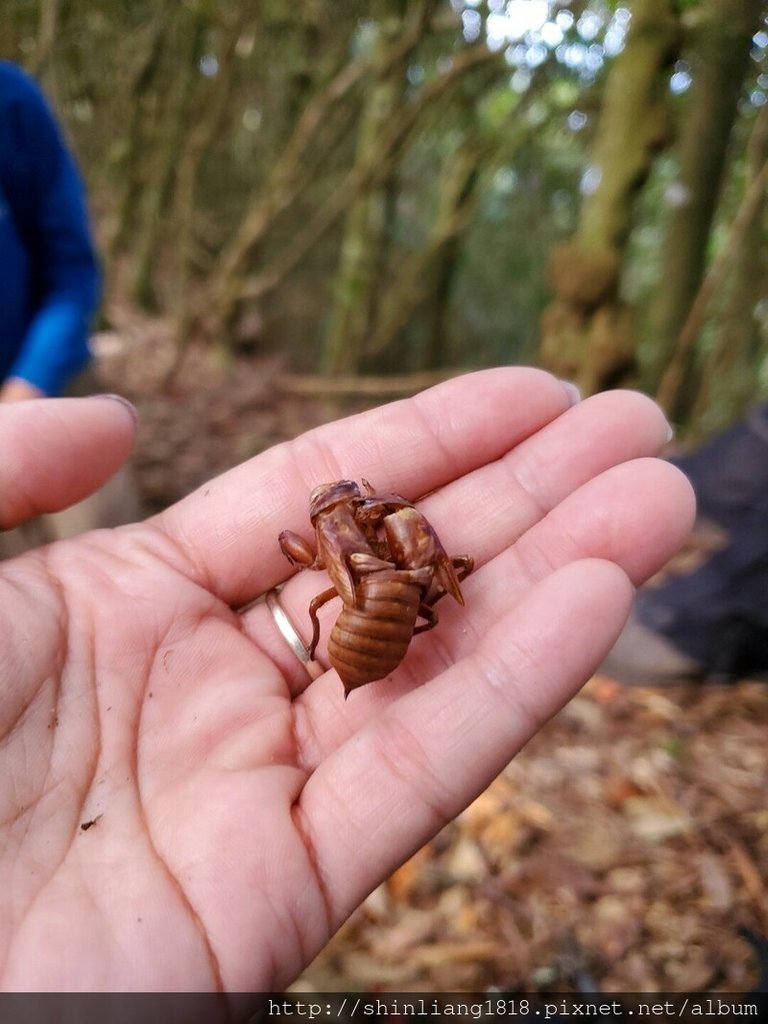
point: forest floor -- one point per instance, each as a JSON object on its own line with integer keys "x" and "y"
{"x": 625, "y": 849}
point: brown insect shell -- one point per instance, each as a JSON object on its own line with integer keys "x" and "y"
{"x": 414, "y": 543}
{"x": 371, "y": 513}
{"x": 338, "y": 534}
{"x": 365, "y": 645}
{"x": 325, "y": 496}
{"x": 297, "y": 550}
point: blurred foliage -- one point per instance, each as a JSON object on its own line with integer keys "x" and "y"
{"x": 380, "y": 187}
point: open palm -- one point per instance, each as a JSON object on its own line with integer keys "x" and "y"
{"x": 239, "y": 812}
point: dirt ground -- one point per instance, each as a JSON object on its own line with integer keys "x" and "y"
{"x": 626, "y": 849}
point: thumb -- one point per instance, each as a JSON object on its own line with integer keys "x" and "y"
{"x": 56, "y": 451}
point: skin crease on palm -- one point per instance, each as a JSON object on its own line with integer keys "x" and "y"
{"x": 241, "y": 813}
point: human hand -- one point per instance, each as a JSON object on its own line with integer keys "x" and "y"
{"x": 17, "y": 390}
{"x": 242, "y": 812}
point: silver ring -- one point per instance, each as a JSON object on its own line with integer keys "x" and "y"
{"x": 291, "y": 634}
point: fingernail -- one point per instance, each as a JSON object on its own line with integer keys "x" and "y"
{"x": 670, "y": 433}
{"x": 124, "y": 402}
{"x": 571, "y": 389}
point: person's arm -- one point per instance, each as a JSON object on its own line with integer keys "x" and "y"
{"x": 48, "y": 204}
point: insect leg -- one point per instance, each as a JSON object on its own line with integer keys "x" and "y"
{"x": 363, "y": 563}
{"x": 464, "y": 564}
{"x": 298, "y": 551}
{"x": 429, "y": 614}
{"x": 317, "y": 602}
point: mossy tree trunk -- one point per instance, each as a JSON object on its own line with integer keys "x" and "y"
{"x": 719, "y": 45}
{"x": 422, "y": 281}
{"x": 198, "y": 140}
{"x": 587, "y": 332}
{"x": 44, "y": 68}
{"x": 366, "y": 233}
{"x": 734, "y": 285}
{"x": 171, "y": 129}
{"x": 130, "y": 168}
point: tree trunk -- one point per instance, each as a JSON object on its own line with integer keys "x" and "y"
{"x": 129, "y": 171}
{"x": 729, "y": 378}
{"x": 587, "y": 333}
{"x": 720, "y": 44}
{"x": 169, "y": 135}
{"x": 44, "y": 69}
{"x": 198, "y": 140}
{"x": 427, "y": 273}
{"x": 366, "y": 230}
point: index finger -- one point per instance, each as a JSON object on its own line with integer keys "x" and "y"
{"x": 227, "y": 530}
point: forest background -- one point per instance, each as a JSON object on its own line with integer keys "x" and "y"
{"x": 303, "y": 208}
{"x": 402, "y": 187}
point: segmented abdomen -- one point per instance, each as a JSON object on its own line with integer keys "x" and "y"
{"x": 369, "y": 640}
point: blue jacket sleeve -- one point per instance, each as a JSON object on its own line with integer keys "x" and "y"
{"x": 47, "y": 201}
